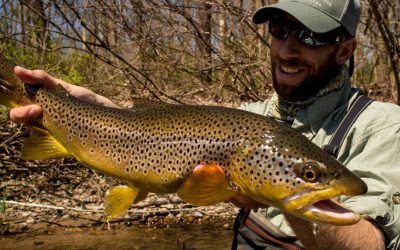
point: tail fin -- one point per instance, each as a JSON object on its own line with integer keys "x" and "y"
{"x": 12, "y": 89}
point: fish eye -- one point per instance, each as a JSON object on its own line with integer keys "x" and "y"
{"x": 310, "y": 172}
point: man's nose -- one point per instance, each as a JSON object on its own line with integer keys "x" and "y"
{"x": 290, "y": 47}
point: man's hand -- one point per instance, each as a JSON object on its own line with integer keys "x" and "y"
{"x": 362, "y": 235}
{"x": 28, "y": 113}
{"x": 325, "y": 236}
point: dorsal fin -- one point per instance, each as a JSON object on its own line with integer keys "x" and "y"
{"x": 60, "y": 88}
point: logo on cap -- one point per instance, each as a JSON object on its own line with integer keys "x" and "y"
{"x": 319, "y": 2}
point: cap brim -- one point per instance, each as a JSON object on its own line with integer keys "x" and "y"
{"x": 314, "y": 19}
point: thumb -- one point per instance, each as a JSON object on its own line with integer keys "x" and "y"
{"x": 25, "y": 114}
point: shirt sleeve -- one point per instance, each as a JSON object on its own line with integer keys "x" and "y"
{"x": 376, "y": 159}
{"x": 256, "y": 107}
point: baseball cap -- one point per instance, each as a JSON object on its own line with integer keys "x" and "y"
{"x": 319, "y": 16}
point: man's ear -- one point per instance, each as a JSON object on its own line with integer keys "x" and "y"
{"x": 345, "y": 51}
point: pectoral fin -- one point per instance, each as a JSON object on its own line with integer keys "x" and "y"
{"x": 120, "y": 198}
{"x": 42, "y": 145}
{"x": 207, "y": 185}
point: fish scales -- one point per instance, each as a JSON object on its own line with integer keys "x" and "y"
{"x": 164, "y": 143}
{"x": 205, "y": 154}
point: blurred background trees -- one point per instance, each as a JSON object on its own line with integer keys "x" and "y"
{"x": 178, "y": 50}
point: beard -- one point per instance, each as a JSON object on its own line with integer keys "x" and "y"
{"x": 311, "y": 85}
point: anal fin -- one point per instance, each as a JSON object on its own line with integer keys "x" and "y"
{"x": 120, "y": 198}
{"x": 42, "y": 145}
{"x": 207, "y": 185}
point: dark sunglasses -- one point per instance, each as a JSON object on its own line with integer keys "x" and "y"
{"x": 282, "y": 28}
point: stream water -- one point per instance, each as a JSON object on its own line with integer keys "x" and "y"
{"x": 176, "y": 237}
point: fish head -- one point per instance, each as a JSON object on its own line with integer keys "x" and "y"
{"x": 318, "y": 185}
{"x": 12, "y": 90}
{"x": 298, "y": 177}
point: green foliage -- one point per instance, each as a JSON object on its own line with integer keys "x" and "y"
{"x": 3, "y": 205}
{"x": 74, "y": 68}
{"x": 3, "y": 114}
{"x": 71, "y": 67}
{"x": 365, "y": 73}
{"x": 4, "y": 225}
{"x": 74, "y": 75}
{"x": 26, "y": 57}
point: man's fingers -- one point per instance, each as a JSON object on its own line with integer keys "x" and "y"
{"x": 37, "y": 76}
{"x": 25, "y": 114}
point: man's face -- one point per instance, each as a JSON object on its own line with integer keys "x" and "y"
{"x": 299, "y": 71}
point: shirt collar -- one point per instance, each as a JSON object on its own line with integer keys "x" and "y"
{"x": 313, "y": 117}
{"x": 309, "y": 115}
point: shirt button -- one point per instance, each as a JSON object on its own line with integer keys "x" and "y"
{"x": 396, "y": 198}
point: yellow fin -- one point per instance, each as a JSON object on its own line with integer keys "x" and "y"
{"x": 120, "y": 198}
{"x": 207, "y": 185}
{"x": 42, "y": 145}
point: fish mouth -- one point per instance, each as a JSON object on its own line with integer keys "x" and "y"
{"x": 317, "y": 206}
{"x": 328, "y": 211}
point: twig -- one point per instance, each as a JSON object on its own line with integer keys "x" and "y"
{"x": 52, "y": 207}
{"x": 99, "y": 210}
{"x": 11, "y": 138}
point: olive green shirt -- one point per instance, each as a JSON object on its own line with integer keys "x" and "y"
{"x": 371, "y": 150}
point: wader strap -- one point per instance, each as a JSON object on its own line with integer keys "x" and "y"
{"x": 267, "y": 230}
{"x": 338, "y": 137}
{"x": 259, "y": 233}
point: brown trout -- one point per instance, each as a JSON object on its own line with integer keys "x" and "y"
{"x": 205, "y": 154}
